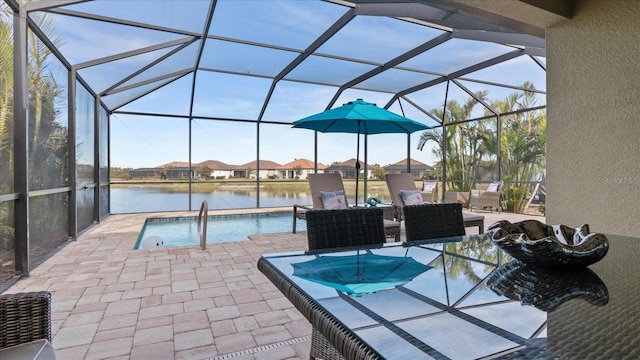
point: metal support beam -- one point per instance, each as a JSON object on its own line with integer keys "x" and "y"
{"x": 443, "y": 145}
{"x": 394, "y": 62}
{"x": 203, "y": 39}
{"x": 339, "y": 24}
{"x": 502, "y": 38}
{"x": 108, "y": 159}
{"x": 131, "y": 53}
{"x": 20, "y": 140}
{"x": 45, "y": 5}
{"x": 111, "y": 20}
{"x": 145, "y": 68}
{"x": 479, "y": 13}
{"x": 71, "y": 148}
{"x": 457, "y": 74}
{"x": 96, "y": 159}
{"x": 475, "y": 97}
{"x": 499, "y": 145}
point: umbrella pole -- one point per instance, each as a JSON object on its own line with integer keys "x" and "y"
{"x": 357, "y": 162}
{"x": 366, "y": 171}
{"x": 408, "y": 153}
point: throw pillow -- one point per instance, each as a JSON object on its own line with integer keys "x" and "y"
{"x": 333, "y": 200}
{"x": 411, "y": 197}
{"x": 428, "y": 186}
{"x": 493, "y": 186}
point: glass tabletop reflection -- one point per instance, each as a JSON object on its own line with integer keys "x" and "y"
{"x": 469, "y": 300}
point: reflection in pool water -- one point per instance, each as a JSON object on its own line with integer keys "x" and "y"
{"x": 182, "y": 231}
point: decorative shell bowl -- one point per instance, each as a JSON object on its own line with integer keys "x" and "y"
{"x": 549, "y": 246}
{"x": 547, "y": 289}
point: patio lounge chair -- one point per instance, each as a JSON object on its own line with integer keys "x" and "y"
{"x": 25, "y": 326}
{"x": 403, "y": 184}
{"x": 327, "y": 184}
{"x": 431, "y": 221}
{"x": 399, "y": 184}
{"x": 487, "y": 199}
{"x": 341, "y": 228}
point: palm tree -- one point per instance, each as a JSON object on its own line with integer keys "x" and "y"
{"x": 6, "y": 100}
{"x": 523, "y": 146}
{"x": 7, "y": 232}
{"x": 472, "y": 147}
{"x": 48, "y": 138}
{"x": 42, "y": 83}
{"x": 464, "y": 143}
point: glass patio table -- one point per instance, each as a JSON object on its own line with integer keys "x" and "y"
{"x": 466, "y": 299}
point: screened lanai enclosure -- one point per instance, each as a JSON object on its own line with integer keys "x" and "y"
{"x": 144, "y": 106}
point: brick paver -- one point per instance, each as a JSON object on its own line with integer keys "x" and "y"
{"x": 110, "y": 301}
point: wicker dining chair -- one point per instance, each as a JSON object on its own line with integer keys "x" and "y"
{"x": 431, "y": 221}
{"x": 345, "y": 228}
{"x": 335, "y": 229}
{"x": 25, "y": 318}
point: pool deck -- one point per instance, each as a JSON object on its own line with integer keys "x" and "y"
{"x": 113, "y": 302}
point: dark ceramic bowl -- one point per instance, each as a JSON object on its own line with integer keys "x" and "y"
{"x": 549, "y": 246}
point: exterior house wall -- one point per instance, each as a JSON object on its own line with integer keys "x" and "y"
{"x": 345, "y": 173}
{"x": 177, "y": 173}
{"x": 593, "y": 130}
{"x": 288, "y": 174}
{"x": 291, "y": 174}
{"x": 306, "y": 172}
{"x": 264, "y": 174}
{"x": 225, "y": 173}
{"x": 419, "y": 172}
{"x": 145, "y": 173}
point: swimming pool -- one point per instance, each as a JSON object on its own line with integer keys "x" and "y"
{"x": 183, "y": 231}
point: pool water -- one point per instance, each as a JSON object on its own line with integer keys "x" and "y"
{"x": 183, "y": 231}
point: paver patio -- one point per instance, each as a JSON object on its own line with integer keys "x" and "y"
{"x": 113, "y": 302}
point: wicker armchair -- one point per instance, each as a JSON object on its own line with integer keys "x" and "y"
{"x": 431, "y": 221}
{"x": 25, "y": 326}
{"x": 430, "y": 191}
{"x": 487, "y": 199}
{"x": 459, "y": 197}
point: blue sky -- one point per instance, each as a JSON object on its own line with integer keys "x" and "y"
{"x": 285, "y": 26}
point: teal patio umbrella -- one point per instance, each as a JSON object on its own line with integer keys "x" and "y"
{"x": 359, "y": 117}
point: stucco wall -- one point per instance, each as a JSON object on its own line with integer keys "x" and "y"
{"x": 593, "y": 118}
